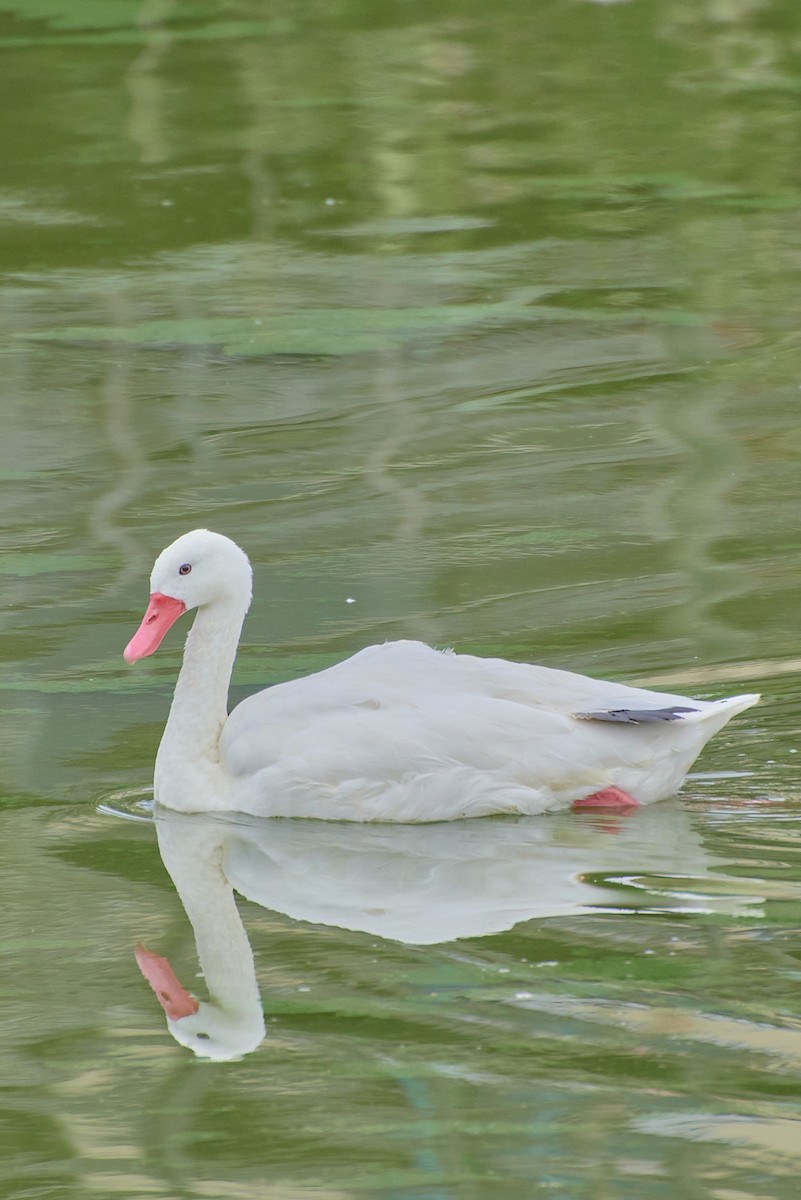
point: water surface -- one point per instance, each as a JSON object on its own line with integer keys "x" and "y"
{"x": 472, "y": 325}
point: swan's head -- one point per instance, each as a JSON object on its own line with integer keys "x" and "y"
{"x": 199, "y": 569}
{"x": 207, "y": 1029}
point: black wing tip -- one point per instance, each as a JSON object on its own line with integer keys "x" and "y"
{"x": 638, "y": 716}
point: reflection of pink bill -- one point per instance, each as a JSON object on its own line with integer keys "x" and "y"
{"x": 173, "y": 997}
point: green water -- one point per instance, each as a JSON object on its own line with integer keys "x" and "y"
{"x": 472, "y": 323}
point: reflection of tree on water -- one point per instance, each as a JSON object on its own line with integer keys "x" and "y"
{"x": 146, "y": 80}
{"x": 694, "y": 508}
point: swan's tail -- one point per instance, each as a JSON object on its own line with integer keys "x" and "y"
{"x": 725, "y": 708}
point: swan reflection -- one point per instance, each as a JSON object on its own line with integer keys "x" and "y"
{"x": 416, "y": 884}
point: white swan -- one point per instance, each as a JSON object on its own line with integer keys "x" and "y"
{"x": 397, "y": 732}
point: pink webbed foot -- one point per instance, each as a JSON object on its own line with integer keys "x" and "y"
{"x": 609, "y": 799}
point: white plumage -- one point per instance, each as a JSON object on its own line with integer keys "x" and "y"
{"x": 397, "y": 732}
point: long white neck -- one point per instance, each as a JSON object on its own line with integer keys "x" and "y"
{"x": 188, "y": 775}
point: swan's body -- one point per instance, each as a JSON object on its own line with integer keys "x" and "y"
{"x": 397, "y": 732}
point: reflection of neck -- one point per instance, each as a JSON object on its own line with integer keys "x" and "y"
{"x": 188, "y": 756}
{"x": 192, "y": 850}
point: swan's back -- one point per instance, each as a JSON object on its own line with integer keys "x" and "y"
{"x": 403, "y": 732}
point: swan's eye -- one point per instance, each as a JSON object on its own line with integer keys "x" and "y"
{"x": 185, "y": 569}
